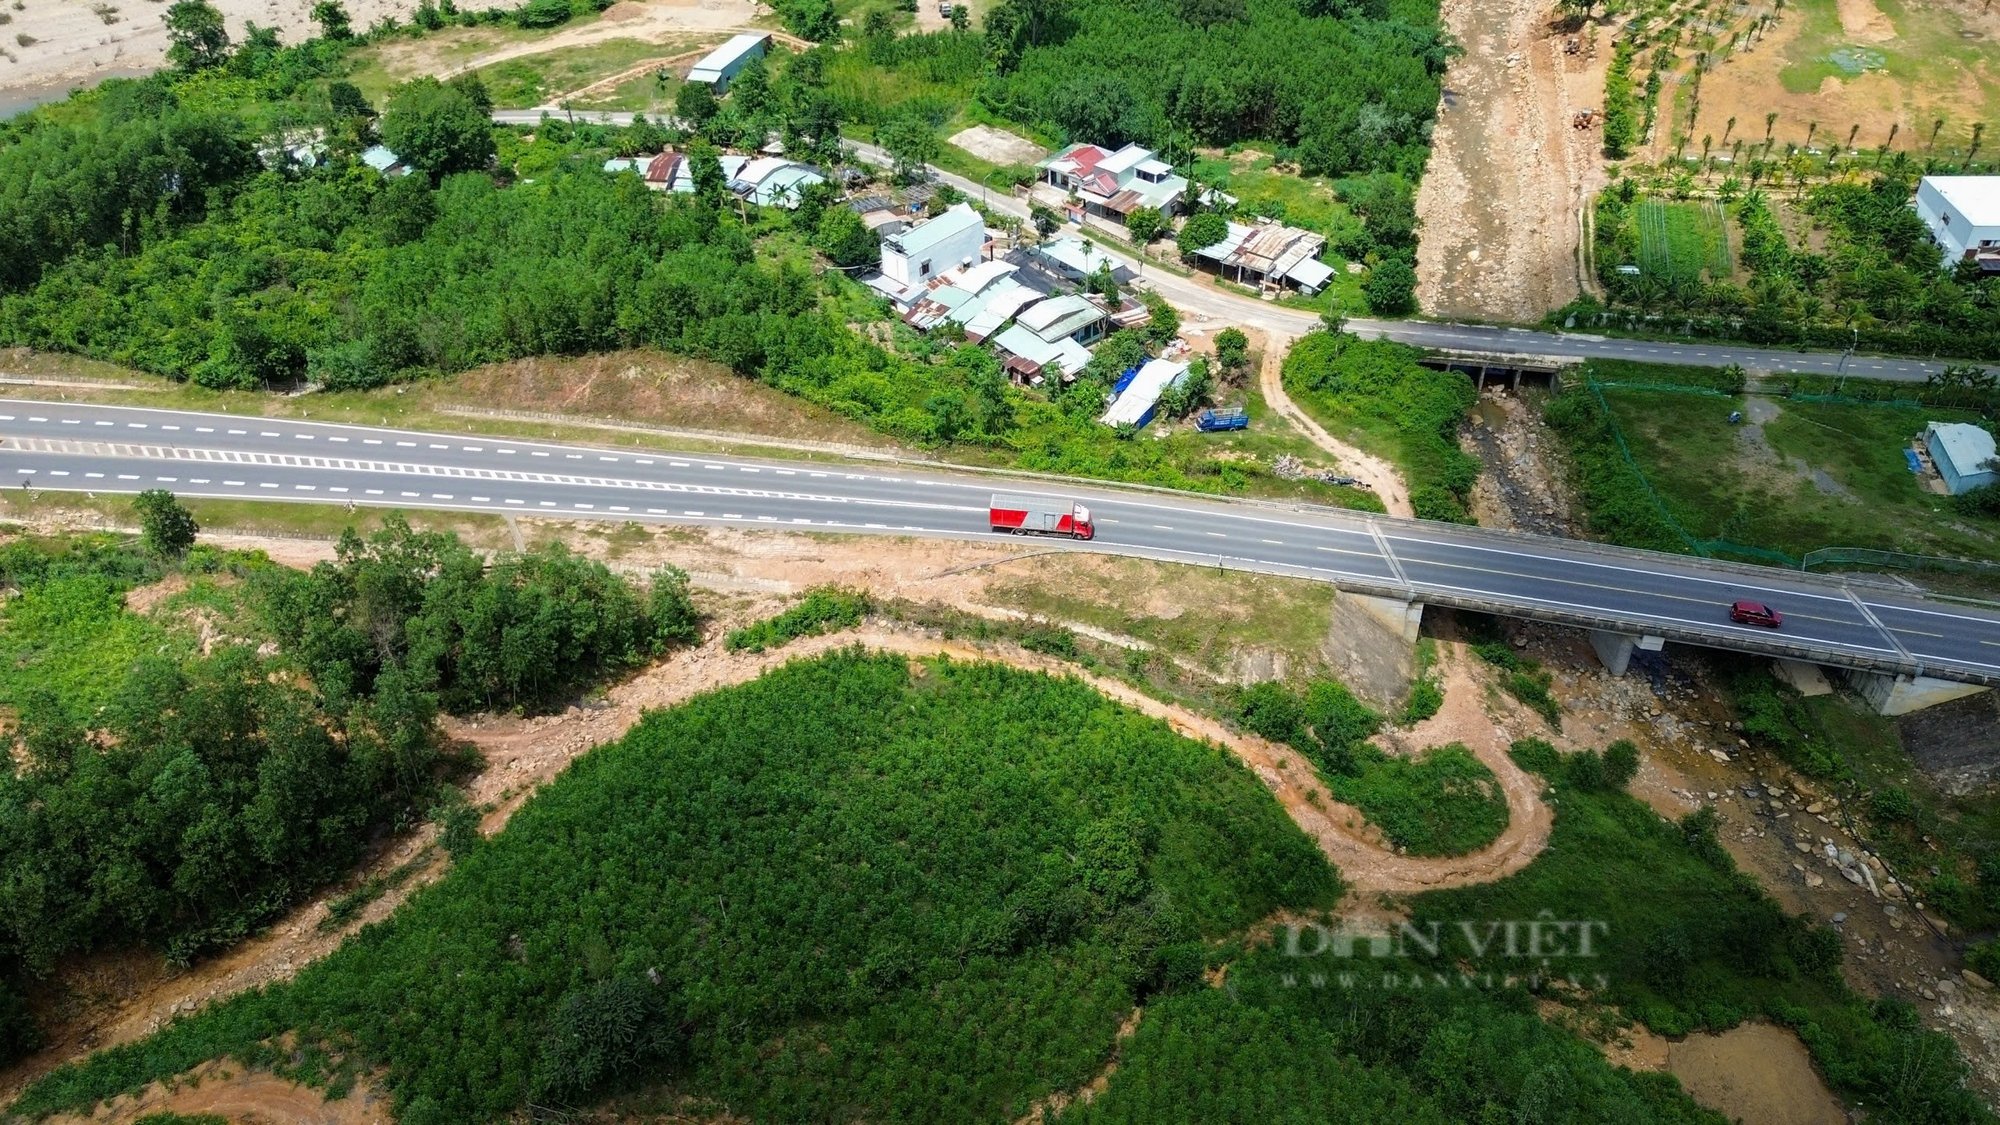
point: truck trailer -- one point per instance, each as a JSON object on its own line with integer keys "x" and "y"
{"x": 1040, "y": 515}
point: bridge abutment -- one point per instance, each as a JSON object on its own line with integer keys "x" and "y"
{"x": 1404, "y": 618}
{"x": 1891, "y": 693}
{"x": 1615, "y": 649}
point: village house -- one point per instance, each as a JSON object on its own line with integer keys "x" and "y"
{"x": 1053, "y": 333}
{"x": 1112, "y": 185}
{"x": 914, "y": 257}
{"x": 1269, "y": 253}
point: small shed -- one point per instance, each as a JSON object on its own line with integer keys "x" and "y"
{"x": 1964, "y": 455}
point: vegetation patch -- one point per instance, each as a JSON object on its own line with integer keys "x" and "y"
{"x": 1524, "y": 678}
{"x": 1376, "y": 393}
{"x": 824, "y": 609}
{"x": 1442, "y": 802}
{"x": 1686, "y": 942}
{"x": 804, "y": 890}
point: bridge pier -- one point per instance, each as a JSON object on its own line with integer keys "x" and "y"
{"x": 1615, "y": 649}
{"x": 1403, "y": 618}
{"x": 1899, "y": 694}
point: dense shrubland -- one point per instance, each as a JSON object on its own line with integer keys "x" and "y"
{"x": 1378, "y": 392}
{"x": 176, "y": 797}
{"x": 1442, "y": 802}
{"x": 922, "y": 897}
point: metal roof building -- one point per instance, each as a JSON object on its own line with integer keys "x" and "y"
{"x": 1963, "y": 454}
{"x": 720, "y": 65}
{"x": 1135, "y": 404}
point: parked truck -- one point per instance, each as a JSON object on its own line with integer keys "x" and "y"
{"x": 1222, "y": 418}
{"x": 1040, "y": 515}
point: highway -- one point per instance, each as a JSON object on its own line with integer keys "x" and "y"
{"x": 108, "y": 449}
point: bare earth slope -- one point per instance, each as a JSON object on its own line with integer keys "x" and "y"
{"x": 1500, "y": 201}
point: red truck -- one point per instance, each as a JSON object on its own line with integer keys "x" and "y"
{"x": 1040, "y": 515}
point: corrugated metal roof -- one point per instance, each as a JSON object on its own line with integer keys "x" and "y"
{"x": 727, "y": 55}
{"x": 957, "y": 221}
{"x": 1968, "y": 447}
{"x": 1060, "y": 317}
{"x": 1139, "y": 397}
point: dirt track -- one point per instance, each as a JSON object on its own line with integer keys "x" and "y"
{"x": 1371, "y": 470}
{"x": 1501, "y": 199}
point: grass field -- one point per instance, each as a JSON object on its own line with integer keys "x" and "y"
{"x": 1812, "y": 476}
{"x": 533, "y": 80}
{"x": 1684, "y": 239}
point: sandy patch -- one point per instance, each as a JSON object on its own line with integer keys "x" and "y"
{"x": 998, "y": 145}
{"x": 74, "y": 43}
{"x": 1864, "y": 22}
{"x": 1755, "y": 1072}
{"x": 1502, "y": 199}
{"x": 224, "y": 1089}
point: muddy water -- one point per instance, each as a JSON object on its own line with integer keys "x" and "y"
{"x": 1757, "y": 1072}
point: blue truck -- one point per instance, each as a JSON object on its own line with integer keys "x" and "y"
{"x": 1216, "y": 421}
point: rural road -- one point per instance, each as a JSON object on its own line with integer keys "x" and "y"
{"x": 126, "y": 450}
{"x": 1223, "y": 307}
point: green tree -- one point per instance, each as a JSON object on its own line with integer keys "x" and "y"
{"x": 695, "y": 106}
{"x": 1391, "y": 287}
{"x": 845, "y": 239}
{"x": 1144, "y": 224}
{"x": 1044, "y": 220}
{"x": 705, "y": 168}
{"x": 750, "y": 90}
{"x": 166, "y": 527}
{"x": 1232, "y": 350}
{"x": 437, "y": 128}
{"x": 333, "y": 20}
{"x": 1201, "y": 231}
{"x": 911, "y": 142}
{"x": 197, "y": 37}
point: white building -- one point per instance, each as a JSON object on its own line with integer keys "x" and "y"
{"x": 1963, "y": 454}
{"x": 1963, "y": 215}
{"x": 911, "y": 258}
{"x": 773, "y": 181}
{"x": 722, "y": 64}
{"x": 1053, "y": 334}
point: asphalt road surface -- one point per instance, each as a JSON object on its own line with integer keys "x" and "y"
{"x": 110, "y": 449}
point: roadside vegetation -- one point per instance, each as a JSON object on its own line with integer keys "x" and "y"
{"x": 859, "y": 858}
{"x": 1376, "y": 394}
{"x": 184, "y": 773}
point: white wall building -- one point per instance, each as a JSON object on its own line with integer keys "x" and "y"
{"x": 912, "y": 257}
{"x": 1963, "y": 215}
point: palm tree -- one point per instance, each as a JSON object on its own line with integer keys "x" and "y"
{"x": 1852, "y": 132}
{"x": 1978, "y": 130}
{"x": 1770, "y": 121}
{"x": 1728, "y": 127}
{"x": 1936, "y": 128}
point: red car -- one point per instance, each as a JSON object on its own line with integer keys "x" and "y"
{"x": 1755, "y": 613}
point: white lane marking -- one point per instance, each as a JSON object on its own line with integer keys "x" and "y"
{"x": 690, "y": 513}
{"x": 509, "y": 452}
{"x": 747, "y": 469}
{"x": 586, "y": 507}
{"x": 678, "y": 464}
{"x": 642, "y": 460}
{"x": 204, "y": 429}
{"x": 100, "y": 476}
{"x": 233, "y": 483}
{"x": 128, "y": 425}
{"x": 121, "y": 476}
{"x": 482, "y": 499}
{"x": 371, "y": 441}
{"x": 536, "y": 453}
{"x": 65, "y": 472}
{"x": 306, "y": 487}
{"x": 6, "y": 417}
{"x": 169, "y": 480}
{"x": 1744, "y": 582}
{"x": 64, "y": 421}
{"x": 434, "y": 445}
{"x": 511, "y": 500}
{"x": 238, "y": 433}
{"x": 618, "y": 508}
{"x": 473, "y": 448}
{"x": 373, "y": 491}
{"x": 331, "y": 438}
{"x": 548, "y": 503}
{"x": 303, "y": 437}
{"x": 1273, "y": 542}
{"x": 572, "y": 456}
{"x": 1216, "y": 534}
{"x": 603, "y": 458}
{"x": 335, "y": 488}
{"x": 191, "y": 480}
{"x": 267, "y": 484}
{"x": 441, "y": 496}
{"x": 409, "y": 494}
{"x": 267, "y": 433}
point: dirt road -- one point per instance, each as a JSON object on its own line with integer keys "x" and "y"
{"x": 1372, "y": 471}
{"x": 1500, "y": 202}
